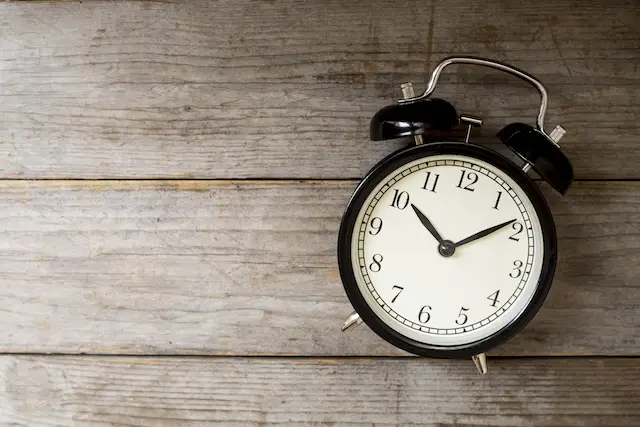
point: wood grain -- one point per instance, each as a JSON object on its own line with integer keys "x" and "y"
{"x": 202, "y": 267}
{"x": 90, "y": 391}
{"x": 282, "y": 88}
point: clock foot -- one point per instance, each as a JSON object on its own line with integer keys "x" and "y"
{"x": 351, "y": 322}
{"x": 480, "y": 361}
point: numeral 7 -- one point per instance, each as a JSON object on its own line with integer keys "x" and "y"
{"x": 398, "y": 294}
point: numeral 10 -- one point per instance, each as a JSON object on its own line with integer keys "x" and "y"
{"x": 400, "y": 199}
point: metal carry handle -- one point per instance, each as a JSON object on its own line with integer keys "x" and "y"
{"x": 491, "y": 64}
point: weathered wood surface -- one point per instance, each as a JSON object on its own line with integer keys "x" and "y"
{"x": 201, "y": 267}
{"x": 286, "y": 89}
{"x": 90, "y": 391}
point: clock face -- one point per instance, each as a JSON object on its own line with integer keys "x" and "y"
{"x": 447, "y": 250}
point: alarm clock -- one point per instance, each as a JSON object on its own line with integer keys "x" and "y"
{"x": 446, "y": 248}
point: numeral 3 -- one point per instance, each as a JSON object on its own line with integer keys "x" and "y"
{"x": 517, "y": 271}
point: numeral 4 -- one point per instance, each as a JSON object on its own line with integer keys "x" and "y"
{"x": 494, "y": 298}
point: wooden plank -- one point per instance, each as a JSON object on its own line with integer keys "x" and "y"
{"x": 92, "y": 391}
{"x": 284, "y": 89}
{"x": 201, "y": 267}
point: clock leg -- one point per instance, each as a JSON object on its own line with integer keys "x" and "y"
{"x": 408, "y": 92}
{"x": 470, "y": 122}
{"x": 351, "y": 322}
{"x": 480, "y": 361}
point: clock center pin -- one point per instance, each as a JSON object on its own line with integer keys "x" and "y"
{"x": 446, "y": 248}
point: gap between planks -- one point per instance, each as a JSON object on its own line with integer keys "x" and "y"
{"x": 320, "y": 357}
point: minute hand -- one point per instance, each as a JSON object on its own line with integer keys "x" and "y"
{"x": 483, "y": 233}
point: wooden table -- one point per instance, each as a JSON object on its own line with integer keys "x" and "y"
{"x": 174, "y": 174}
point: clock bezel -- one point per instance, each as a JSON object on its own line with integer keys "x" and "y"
{"x": 378, "y": 173}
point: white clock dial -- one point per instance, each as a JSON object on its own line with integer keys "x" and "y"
{"x": 461, "y": 291}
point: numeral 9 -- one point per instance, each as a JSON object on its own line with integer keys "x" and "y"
{"x": 376, "y": 224}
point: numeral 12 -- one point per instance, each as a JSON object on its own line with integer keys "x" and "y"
{"x": 471, "y": 176}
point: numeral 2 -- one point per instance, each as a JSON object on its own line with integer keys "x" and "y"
{"x": 400, "y": 199}
{"x": 471, "y": 176}
{"x": 518, "y": 227}
{"x": 433, "y": 185}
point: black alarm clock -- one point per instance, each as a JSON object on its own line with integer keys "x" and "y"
{"x": 447, "y": 248}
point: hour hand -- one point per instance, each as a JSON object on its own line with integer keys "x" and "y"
{"x": 425, "y": 221}
{"x": 483, "y": 233}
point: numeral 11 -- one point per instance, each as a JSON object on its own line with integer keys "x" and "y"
{"x": 433, "y": 185}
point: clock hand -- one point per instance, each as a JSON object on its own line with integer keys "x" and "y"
{"x": 483, "y": 233}
{"x": 425, "y": 221}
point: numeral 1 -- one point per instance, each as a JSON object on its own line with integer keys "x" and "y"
{"x": 471, "y": 176}
{"x": 494, "y": 298}
{"x": 497, "y": 200}
{"x": 435, "y": 182}
{"x": 400, "y": 199}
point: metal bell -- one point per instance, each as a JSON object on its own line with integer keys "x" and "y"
{"x": 541, "y": 152}
{"x": 415, "y": 118}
